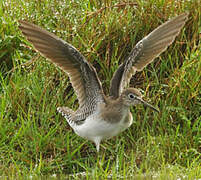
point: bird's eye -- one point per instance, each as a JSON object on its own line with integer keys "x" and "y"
{"x": 131, "y": 96}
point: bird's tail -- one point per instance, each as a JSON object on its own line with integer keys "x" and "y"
{"x": 68, "y": 114}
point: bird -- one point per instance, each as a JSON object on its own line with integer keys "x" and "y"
{"x": 100, "y": 116}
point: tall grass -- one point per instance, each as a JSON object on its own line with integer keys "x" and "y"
{"x": 36, "y": 141}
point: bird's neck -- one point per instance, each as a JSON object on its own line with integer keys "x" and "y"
{"x": 115, "y": 110}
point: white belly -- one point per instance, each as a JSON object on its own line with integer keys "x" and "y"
{"x": 94, "y": 128}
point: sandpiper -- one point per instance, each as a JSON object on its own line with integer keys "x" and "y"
{"x": 99, "y": 116}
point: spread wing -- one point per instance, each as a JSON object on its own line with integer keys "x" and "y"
{"x": 145, "y": 52}
{"x": 82, "y": 75}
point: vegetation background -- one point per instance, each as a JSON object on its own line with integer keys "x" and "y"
{"x": 35, "y": 141}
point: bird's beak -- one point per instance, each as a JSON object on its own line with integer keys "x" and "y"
{"x": 148, "y": 105}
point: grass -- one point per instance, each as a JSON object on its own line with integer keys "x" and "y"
{"x": 36, "y": 142}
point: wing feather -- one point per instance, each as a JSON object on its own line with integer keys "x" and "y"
{"x": 145, "y": 52}
{"x": 82, "y": 75}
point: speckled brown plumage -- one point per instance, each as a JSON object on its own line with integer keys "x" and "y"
{"x": 99, "y": 116}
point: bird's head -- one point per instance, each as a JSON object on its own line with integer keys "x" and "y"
{"x": 132, "y": 97}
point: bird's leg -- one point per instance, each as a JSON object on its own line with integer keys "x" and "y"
{"x": 97, "y": 142}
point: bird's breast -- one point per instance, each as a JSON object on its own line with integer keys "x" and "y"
{"x": 95, "y": 126}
